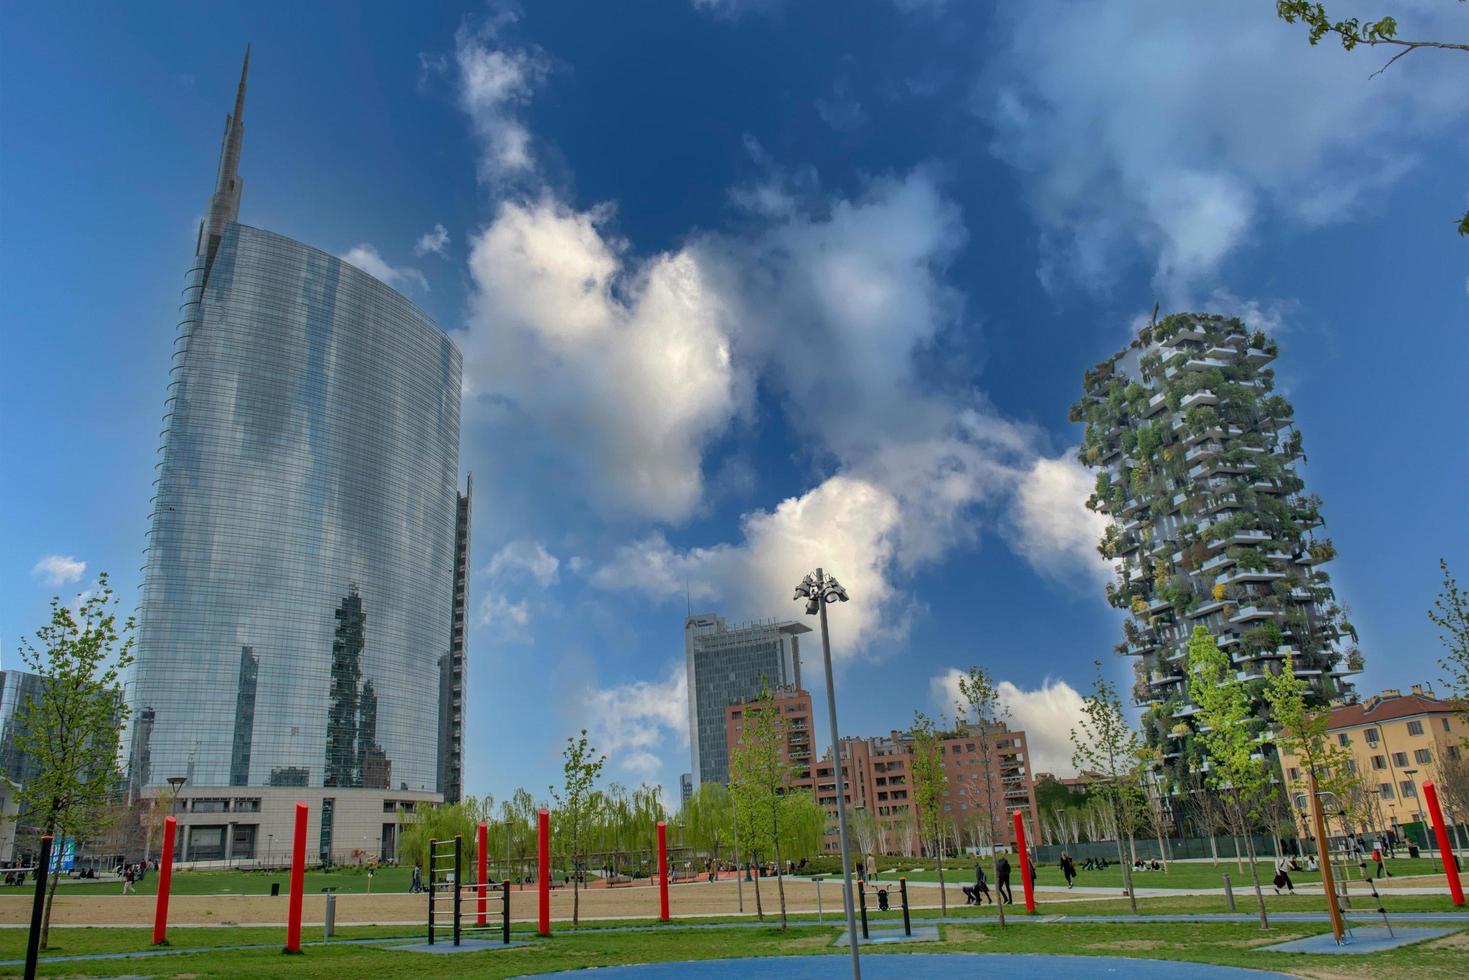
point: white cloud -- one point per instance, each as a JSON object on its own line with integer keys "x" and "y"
{"x": 493, "y": 83}
{"x": 528, "y": 558}
{"x": 509, "y": 621}
{"x": 1167, "y": 130}
{"x": 624, "y": 367}
{"x": 435, "y": 240}
{"x": 1046, "y": 715}
{"x": 366, "y": 258}
{"x": 633, "y": 722}
{"x": 1052, "y": 527}
{"x": 59, "y": 569}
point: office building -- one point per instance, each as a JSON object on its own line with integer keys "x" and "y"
{"x": 729, "y": 665}
{"x": 301, "y": 621}
{"x": 1210, "y": 524}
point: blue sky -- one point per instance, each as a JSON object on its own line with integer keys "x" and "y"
{"x": 748, "y": 287}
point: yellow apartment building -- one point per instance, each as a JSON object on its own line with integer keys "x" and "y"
{"x": 1397, "y": 741}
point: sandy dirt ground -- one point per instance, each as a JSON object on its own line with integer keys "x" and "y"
{"x": 639, "y": 901}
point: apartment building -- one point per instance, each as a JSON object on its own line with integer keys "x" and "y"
{"x": 1397, "y": 741}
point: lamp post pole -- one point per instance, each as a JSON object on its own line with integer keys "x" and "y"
{"x": 818, "y": 590}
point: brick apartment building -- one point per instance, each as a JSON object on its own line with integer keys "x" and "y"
{"x": 877, "y": 775}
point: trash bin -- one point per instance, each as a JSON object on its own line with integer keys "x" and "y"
{"x": 1412, "y": 850}
{"x": 275, "y": 889}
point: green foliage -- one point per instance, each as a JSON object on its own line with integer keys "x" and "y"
{"x": 444, "y": 822}
{"x": 930, "y": 785}
{"x": 1227, "y": 728}
{"x": 1104, "y": 743}
{"x": 580, "y": 771}
{"x": 1450, "y": 613}
{"x": 759, "y": 777}
{"x": 1301, "y": 731}
{"x": 72, "y": 730}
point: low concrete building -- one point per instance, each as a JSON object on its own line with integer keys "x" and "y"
{"x": 254, "y": 826}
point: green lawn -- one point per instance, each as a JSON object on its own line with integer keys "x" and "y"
{"x": 1179, "y": 875}
{"x": 1193, "y": 942}
{"x": 344, "y": 880}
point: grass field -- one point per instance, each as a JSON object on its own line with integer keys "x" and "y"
{"x": 1179, "y": 875}
{"x": 352, "y": 881}
{"x": 1190, "y": 942}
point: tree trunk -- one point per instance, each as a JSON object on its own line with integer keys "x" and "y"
{"x": 759, "y": 909}
{"x": 780, "y": 885}
{"x": 1214, "y": 848}
{"x": 1255, "y": 876}
{"x": 54, "y": 879}
{"x": 1126, "y": 875}
{"x": 943, "y": 896}
{"x": 1239, "y": 853}
{"x": 575, "y": 895}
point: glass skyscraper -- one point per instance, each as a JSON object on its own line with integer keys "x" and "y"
{"x": 730, "y": 665}
{"x": 299, "y": 619}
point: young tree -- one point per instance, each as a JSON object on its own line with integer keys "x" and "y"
{"x": 73, "y": 729}
{"x": 979, "y": 705}
{"x": 862, "y": 824}
{"x": 930, "y": 786}
{"x": 1150, "y": 791}
{"x": 1230, "y": 733}
{"x": 1207, "y": 812}
{"x": 580, "y": 771}
{"x": 1104, "y": 743}
{"x": 1450, "y": 613}
{"x": 759, "y": 777}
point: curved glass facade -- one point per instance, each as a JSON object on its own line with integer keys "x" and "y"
{"x": 297, "y": 605}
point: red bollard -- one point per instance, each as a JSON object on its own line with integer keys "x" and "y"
{"x": 1024, "y": 865}
{"x": 543, "y": 831}
{"x": 298, "y": 882}
{"x": 662, "y": 871}
{"x": 165, "y": 878}
{"x": 482, "y": 842}
{"x": 1450, "y": 865}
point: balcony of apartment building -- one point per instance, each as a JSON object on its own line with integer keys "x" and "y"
{"x": 1252, "y": 612}
{"x": 1155, "y": 405}
{"x": 1201, "y": 397}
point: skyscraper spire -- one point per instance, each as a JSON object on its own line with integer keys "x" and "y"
{"x": 224, "y": 204}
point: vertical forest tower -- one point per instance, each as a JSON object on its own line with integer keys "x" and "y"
{"x": 1211, "y": 526}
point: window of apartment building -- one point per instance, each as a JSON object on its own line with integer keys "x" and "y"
{"x": 1352, "y": 766}
{"x": 971, "y": 747}
{"x": 1407, "y": 788}
{"x": 956, "y": 749}
{"x": 1453, "y": 751}
{"x": 242, "y": 847}
{"x": 1378, "y": 762}
{"x": 1343, "y": 739}
{"x": 1294, "y": 773}
{"x": 1386, "y": 790}
{"x": 1400, "y": 758}
{"x": 1415, "y": 728}
{"x": 1371, "y": 734}
{"x": 1422, "y": 756}
{"x": 209, "y": 806}
{"x": 206, "y": 843}
{"x": 251, "y": 805}
{"x": 1445, "y": 723}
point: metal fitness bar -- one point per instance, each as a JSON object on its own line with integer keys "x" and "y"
{"x": 503, "y": 887}
{"x": 432, "y": 843}
{"x": 458, "y": 892}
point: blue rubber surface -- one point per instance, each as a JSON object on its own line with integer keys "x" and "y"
{"x": 920, "y": 966}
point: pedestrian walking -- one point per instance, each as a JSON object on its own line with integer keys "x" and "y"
{"x": 128, "y": 876}
{"x": 1377, "y": 859}
{"x": 1282, "y": 876}
{"x": 416, "y": 885}
{"x": 1068, "y": 869}
{"x": 1002, "y": 881}
{"x": 976, "y": 893}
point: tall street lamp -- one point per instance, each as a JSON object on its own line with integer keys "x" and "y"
{"x": 820, "y": 590}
